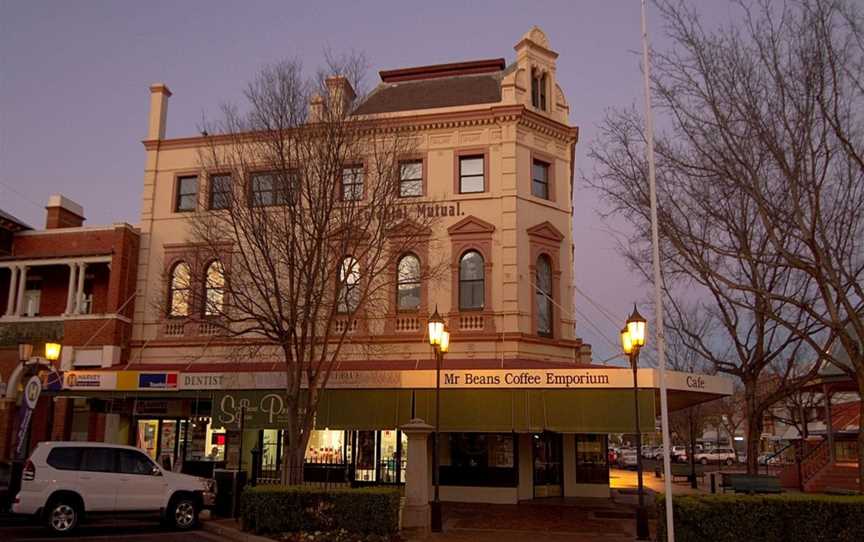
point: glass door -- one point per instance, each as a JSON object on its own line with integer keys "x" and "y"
{"x": 548, "y": 473}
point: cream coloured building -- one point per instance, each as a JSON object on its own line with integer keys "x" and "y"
{"x": 524, "y": 412}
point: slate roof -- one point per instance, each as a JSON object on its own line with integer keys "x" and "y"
{"x": 442, "y": 85}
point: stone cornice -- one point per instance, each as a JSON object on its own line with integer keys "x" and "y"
{"x": 420, "y": 122}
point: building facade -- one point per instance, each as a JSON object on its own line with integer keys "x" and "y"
{"x": 524, "y": 414}
{"x": 67, "y": 283}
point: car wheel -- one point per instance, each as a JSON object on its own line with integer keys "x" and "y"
{"x": 184, "y": 513}
{"x": 62, "y": 516}
{"x": 703, "y": 461}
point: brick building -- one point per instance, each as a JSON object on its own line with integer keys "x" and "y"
{"x": 66, "y": 283}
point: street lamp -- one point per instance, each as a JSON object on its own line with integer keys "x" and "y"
{"x": 439, "y": 339}
{"x": 632, "y": 340}
{"x": 52, "y": 351}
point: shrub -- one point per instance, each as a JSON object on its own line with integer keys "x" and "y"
{"x": 770, "y": 518}
{"x": 274, "y": 509}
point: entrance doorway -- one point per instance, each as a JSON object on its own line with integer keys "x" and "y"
{"x": 548, "y": 472}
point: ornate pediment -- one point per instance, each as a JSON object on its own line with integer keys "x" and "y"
{"x": 546, "y": 230}
{"x": 409, "y": 228}
{"x": 470, "y": 225}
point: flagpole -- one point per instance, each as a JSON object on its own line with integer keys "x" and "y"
{"x": 658, "y": 298}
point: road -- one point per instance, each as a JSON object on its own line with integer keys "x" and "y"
{"x": 12, "y": 529}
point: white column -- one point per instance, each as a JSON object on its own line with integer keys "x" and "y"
{"x": 416, "y": 516}
{"x": 13, "y": 291}
{"x": 70, "y": 291}
{"x": 79, "y": 292}
{"x": 22, "y": 283}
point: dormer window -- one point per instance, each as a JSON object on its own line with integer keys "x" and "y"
{"x": 538, "y": 89}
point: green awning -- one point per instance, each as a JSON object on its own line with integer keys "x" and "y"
{"x": 561, "y": 410}
{"x": 363, "y": 409}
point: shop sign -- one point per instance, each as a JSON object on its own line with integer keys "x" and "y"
{"x": 90, "y": 380}
{"x": 157, "y": 381}
{"x": 256, "y": 409}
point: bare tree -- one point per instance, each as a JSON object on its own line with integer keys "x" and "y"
{"x": 774, "y": 109}
{"x": 306, "y": 228}
{"x": 760, "y": 188}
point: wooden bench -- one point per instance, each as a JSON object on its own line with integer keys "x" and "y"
{"x": 750, "y": 483}
{"x": 679, "y": 472}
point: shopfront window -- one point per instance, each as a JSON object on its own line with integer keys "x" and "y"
{"x": 592, "y": 466}
{"x": 148, "y": 439}
{"x": 326, "y": 447}
{"x": 478, "y": 459}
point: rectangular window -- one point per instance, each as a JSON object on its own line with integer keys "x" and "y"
{"x": 411, "y": 179}
{"x": 187, "y": 194}
{"x": 66, "y": 458}
{"x": 220, "y": 192}
{"x": 592, "y": 459}
{"x": 471, "y": 177}
{"x": 352, "y": 183}
{"x": 540, "y": 179}
{"x": 269, "y": 188}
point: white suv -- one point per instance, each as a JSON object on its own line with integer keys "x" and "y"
{"x": 715, "y": 455}
{"x": 63, "y": 481}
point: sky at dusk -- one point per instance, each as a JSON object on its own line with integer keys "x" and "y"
{"x": 74, "y": 80}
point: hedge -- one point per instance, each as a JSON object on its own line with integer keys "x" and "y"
{"x": 770, "y": 518}
{"x": 276, "y": 509}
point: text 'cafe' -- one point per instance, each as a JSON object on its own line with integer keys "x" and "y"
{"x": 507, "y": 435}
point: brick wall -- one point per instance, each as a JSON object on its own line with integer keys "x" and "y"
{"x": 55, "y": 245}
{"x": 62, "y": 420}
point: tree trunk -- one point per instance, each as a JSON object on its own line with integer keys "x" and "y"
{"x": 753, "y": 415}
{"x": 293, "y": 458}
{"x": 860, "y": 431}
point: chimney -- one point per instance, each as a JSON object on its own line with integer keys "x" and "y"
{"x": 341, "y": 94}
{"x": 316, "y": 108}
{"x": 159, "y": 95}
{"x": 62, "y": 212}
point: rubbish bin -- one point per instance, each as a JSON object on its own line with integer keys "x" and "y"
{"x": 229, "y": 486}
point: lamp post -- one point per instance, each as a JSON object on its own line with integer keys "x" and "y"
{"x": 632, "y": 340}
{"x": 439, "y": 339}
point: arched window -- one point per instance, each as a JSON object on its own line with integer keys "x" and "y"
{"x": 349, "y": 281}
{"x": 472, "y": 281}
{"x": 543, "y": 280}
{"x": 179, "y": 290}
{"x": 214, "y": 289}
{"x": 408, "y": 283}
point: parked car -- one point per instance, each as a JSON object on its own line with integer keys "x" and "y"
{"x": 63, "y": 481}
{"x": 627, "y": 458}
{"x": 679, "y": 454}
{"x": 650, "y": 451}
{"x": 716, "y": 455}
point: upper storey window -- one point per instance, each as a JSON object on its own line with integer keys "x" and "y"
{"x": 352, "y": 183}
{"x": 349, "y": 291}
{"x": 187, "y": 194}
{"x": 471, "y": 174}
{"x": 220, "y": 192}
{"x": 267, "y": 189}
{"x": 179, "y": 290}
{"x": 472, "y": 281}
{"x": 544, "y": 296}
{"x": 408, "y": 283}
{"x": 214, "y": 289}
{"x": 538, "y": 89}
{"x": 411, "y": 179}
{"x": 540, "y": 179}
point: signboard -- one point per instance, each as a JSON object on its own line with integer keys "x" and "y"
{"x": 555, "y": 378}
{"x": 257, "y": 409}
{"x": 90, "y": 380}
{"x": 121, "y": 380}
{"x": 32, "y": 390}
